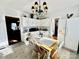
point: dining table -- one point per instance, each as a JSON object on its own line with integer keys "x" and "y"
{"x": 46, "y": 45}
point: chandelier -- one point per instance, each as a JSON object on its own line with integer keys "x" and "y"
{"x": 39, "y": 11}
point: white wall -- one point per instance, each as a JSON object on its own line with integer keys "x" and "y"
{"x": 3, "y": 32}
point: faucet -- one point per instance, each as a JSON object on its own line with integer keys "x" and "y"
{"x": 29, "y": 35}
{"x": 40, "y": 34}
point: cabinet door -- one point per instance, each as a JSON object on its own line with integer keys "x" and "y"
{"x": 72, "y": 34}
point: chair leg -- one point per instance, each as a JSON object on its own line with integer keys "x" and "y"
{"x": 38, "y": 55}
{"x": 45, "y": 56}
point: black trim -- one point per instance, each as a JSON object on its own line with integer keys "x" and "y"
{"x": 56, "y": 27}
{"x": 78, "y": 48}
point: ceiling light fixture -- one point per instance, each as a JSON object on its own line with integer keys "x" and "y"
{"x": 38, "y": 10}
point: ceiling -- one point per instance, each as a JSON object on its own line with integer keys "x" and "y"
{"x": 57, "y": 8}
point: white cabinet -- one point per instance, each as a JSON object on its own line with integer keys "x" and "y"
{"x": 72, "y": 37}
{"x": 72, "y": 32}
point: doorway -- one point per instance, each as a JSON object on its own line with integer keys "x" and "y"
{"x": 13, "y": 32}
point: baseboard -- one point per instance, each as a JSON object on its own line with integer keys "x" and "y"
{"x": 73, "y": 51}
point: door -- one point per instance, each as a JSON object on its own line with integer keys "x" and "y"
{"x": 13, "y": 32}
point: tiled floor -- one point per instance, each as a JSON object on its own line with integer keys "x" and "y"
{"x": 74, "y": 56}
{"x": 66, "y": 54}
{"x": 21, "y": 51}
